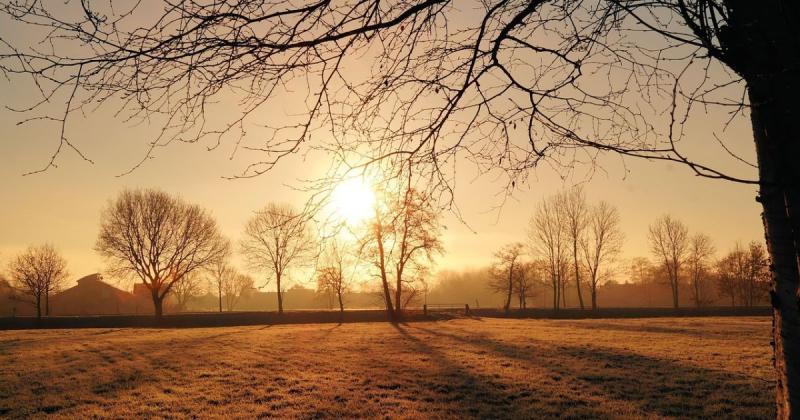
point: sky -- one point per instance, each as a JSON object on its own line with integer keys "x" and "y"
{"x": 61, "y": 205}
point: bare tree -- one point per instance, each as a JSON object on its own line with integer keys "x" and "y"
{"x": 418, "y": 241}
{"x": 235, "y": 288}
{"x": 520, "y": 84}
{"x": 401, "y": 240}
{"x": 506, "y": 271}
{"x": 529, "y": 275}
{"x": 743, "y": 273}
{"x": 729, "y": 271}
{"x": 548, "y": 240}
{"x": 669, "y": 242}
{"x": 572, "y": 203}
{"x": 158, "y": 239}
{"x": 189, "y": 287}
{"x": 331, "y": 279}
{"x": 38, "y": 272}
{"x": 701, "y": 250}
{"x": 221, "y": 273}
{"x": 276, "y": 239}
{"x": 602, "y": 243}
{"x": 641, "y": 271}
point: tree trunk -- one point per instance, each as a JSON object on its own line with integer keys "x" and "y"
{"x": 674, "y": 284}
{"x": 594, "y": 297}
{"x": 158, "y": 305}
{"x": 219, "y": 289}
{"x": 760, "y": 43}
{"x": 38, "y": 307}
{"x": 341, "y": 301}
{"x": 398, "y": 293}
{"x": 577, "y": 272}
{"x": 280, "y": 295}
{"x": 47, "y": 303}
{"x": 507, "y": 306}
{"x": 777, "y": 147}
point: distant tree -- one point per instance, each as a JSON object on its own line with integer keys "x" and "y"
{"x": 159, "y": 239}
{"x": 506, "y": 270}
{"x": 641, "y": 271}
{"x": 190, "y": 286}
{"x": 730, "y": 272}
{"x": 701, "y": 250}
{"x": 756, "y": 284}
{"x": 669, "y": 242}
{"x": 331, "y": 278}
{"x": 238, "y": 286}
{"x": 276, "y": 239}
{"x": 575, "y": 216}
{"x": 37, "y": 272}
{"x": 220, "y": 273}
{"x": 601, "y": 244}
{"x": 529, "y": 275}
{"x": 548, "y": 240}
{"x": 743, "y": 274}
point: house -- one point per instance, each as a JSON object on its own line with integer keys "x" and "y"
{"x": 92, "y": 296}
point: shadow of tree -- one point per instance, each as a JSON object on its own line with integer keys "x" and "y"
{"x": 658, "y": 386}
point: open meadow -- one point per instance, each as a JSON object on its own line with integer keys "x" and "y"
{"x": 499, "y": 368}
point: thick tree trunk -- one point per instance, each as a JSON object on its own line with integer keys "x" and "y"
{"x": 761, "y": 43}
{"x": 777, "y": 148}
{"x": 38, "y": 307}
{"x": 158, "y": 305}
{"x": 47, "y": 303}
{"x": 594, "y": 297}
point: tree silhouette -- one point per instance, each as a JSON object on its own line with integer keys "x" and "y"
{"x": 602, "y": 243}
{"x": 276, "y": 239}
{"x": 38, "y": 272}
{"x": 548, "y": 239}
{"x": 508, "y": 85}
{"x": 159, "y": 239}
{"x": 401, "y": 240}
{"x": 701, "y": 250}
{"x": 669, "y": 242}
{"x": 506, "y": 271}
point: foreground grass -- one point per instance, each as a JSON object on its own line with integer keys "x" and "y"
{"x": 681, "y": 367}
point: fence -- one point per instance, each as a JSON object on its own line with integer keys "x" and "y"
{"x": 445, "y": 307}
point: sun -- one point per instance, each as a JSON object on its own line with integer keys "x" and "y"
{"x": 353, "y": 201}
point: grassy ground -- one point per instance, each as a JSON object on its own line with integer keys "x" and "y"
{"x": 653, "y": 368}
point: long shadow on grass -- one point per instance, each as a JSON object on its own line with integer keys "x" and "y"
{"x": 658, "y": 329}
{"x": 476, "y": 395}
{"x": 657, "y": 386}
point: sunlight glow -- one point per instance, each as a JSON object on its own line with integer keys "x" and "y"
{"x": 353, "y": 201}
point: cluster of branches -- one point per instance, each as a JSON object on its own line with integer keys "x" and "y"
{"x": 507, "y": 85}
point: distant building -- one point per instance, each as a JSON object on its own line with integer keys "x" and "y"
{"x": 93, "y": 296}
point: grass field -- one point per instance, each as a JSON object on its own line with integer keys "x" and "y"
{"x": 652, "y": 368}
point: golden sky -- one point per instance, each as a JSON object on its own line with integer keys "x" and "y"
{"x": 61, "y": 206}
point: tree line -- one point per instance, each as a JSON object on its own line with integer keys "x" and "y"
{"x": 574, "y": 243}
{"x": 174, "y": 249}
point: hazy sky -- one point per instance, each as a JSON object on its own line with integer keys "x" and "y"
{"x": 61, "y": 206}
